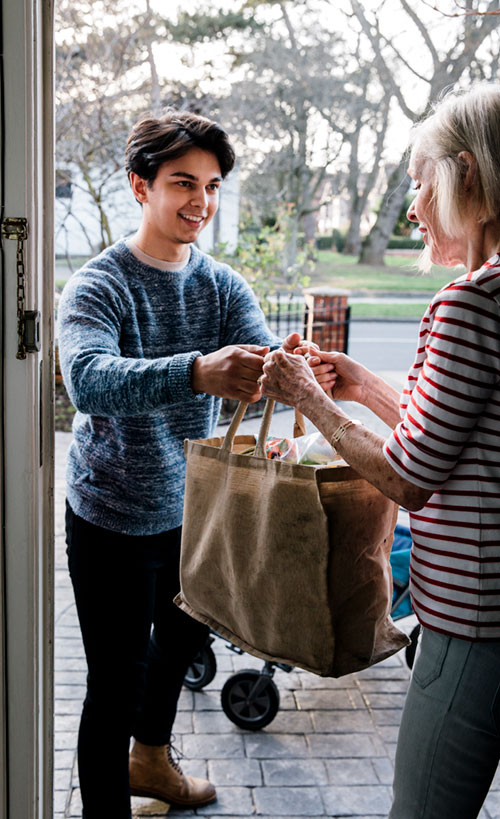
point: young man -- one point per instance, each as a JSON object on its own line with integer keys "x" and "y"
{"x": 152, "y": 333}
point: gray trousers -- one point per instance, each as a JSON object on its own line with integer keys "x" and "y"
{"x": 449, "y": 741}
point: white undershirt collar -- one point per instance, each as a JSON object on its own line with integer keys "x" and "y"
{"x": 160, "y": 264}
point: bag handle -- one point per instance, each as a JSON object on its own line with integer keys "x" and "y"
{"x": 299, "y": 424}
{"x": 264, "y": 429}
{"x": 299, "y": 427}
{"x": 233, "y": 426}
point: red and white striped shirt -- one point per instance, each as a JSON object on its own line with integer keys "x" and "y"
{"x": 449, "y": 441}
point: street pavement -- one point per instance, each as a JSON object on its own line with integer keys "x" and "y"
{"x": 328, "y": 752}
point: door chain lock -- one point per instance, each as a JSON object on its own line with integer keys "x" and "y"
{"x": 28, "y": 321}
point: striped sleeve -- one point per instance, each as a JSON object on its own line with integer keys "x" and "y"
{"x": 455, "y": 372}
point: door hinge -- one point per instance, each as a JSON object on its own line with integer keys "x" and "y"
{"x": 28, "y": 321}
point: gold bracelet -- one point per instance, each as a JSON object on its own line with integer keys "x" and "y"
{"x": 339, "y": 432}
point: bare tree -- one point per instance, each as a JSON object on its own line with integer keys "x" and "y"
{"x": 298, "y": 96}
{"x": 361, "y": 117}
{"x": 458, "y": 61}
{"x": 106, "y": 77}
{"x": 276, "y": 110}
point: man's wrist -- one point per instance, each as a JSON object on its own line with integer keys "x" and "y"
{"x": 197, "y": 371}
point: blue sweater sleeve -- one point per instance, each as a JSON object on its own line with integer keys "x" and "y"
{"x": 245, "y": 323}
{"x": 99, "y": 379}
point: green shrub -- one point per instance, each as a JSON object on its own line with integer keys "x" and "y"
{"x": 338, "y": 238}
{"x": 262, "y": 257}
{"x": 324, "y": 242}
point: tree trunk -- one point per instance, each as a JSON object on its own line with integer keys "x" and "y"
{"x": 309, "y": 226}
{"x": 292, "y": 243}
{"x": 352, "y": 244}
{"x": 376, "y": 243}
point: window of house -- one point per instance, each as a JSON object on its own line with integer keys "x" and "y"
{"x": 63, "y": 185}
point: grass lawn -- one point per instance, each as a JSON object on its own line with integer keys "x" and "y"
{"x": 397, "y": 275}
{"x": 336, "y": 270}
{"x": 411, "y": 310}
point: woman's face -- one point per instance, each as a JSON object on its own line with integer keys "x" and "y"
{"x": 443, "y": 249}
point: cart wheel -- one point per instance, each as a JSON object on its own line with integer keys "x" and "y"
{"x": 202, "y": 669}
{"x": 412, "y": 648}
{"x": 250, "y": 699}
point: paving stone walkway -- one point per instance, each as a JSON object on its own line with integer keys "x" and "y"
{"x": 328, "y": 752}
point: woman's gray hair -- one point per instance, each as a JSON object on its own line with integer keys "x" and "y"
{"x": 463, "y": 121}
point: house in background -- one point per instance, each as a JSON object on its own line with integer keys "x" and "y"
{"x": 333, "y": 212}
{"x": 79, "y": 228}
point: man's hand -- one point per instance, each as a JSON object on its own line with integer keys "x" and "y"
{"x": 294, "y": 342}
{"x": 231, "y": 372}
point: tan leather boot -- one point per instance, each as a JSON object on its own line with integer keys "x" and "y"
{"x": 154, "y": 773}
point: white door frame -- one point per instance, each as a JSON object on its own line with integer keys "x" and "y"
{"x": 26, "y": 567}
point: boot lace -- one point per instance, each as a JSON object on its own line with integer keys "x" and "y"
{"x": 174, "y": 755}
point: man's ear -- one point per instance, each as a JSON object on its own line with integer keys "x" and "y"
{"x": 468, "y": 167}
{"x": 139, "y": 187}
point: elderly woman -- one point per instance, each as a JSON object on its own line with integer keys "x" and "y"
{"x": 441, "y": 461}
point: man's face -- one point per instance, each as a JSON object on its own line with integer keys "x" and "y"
{"x": 181, "y": 201}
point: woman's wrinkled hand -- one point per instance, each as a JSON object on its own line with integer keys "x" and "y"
{"x": 289, "y": 379}
{"x": 324, "y": 372}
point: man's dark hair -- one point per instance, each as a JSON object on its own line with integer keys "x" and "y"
{"x": 153, "y": 141}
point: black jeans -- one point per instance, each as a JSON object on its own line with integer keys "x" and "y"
{"x": 138, "y": 646}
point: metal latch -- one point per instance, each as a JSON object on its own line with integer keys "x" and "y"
{"x": 31, "y": 336}
{"x": 28, "y": 321}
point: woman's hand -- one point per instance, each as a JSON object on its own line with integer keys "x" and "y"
{"x": 323, "y": 371}
{"x": 289, "y": 379}
{"x": 348, "y": 380}
{"x": 353, "y": 382}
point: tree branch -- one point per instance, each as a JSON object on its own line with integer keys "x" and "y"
{"x": 405, "y": 62}
{"x": 289, "y": 27}
{"x": 464, "y": 12}
{"x": 385, "y": 73}
{"x": 423, "y": 31}
{"x": 471, "y": 43}
{"x": 155, "y": 81}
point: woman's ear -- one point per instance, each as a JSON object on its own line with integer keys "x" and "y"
{"x": 468, "y": 167}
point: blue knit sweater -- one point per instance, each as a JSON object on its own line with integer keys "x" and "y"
{"x": 128, "y": 335}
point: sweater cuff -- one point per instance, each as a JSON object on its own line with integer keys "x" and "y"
{"x": 179, "y": 378}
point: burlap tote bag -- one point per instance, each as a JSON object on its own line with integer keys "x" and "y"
{"x": 289, "y": 562}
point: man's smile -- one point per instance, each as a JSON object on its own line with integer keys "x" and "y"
{"x": 191, "y": 218}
